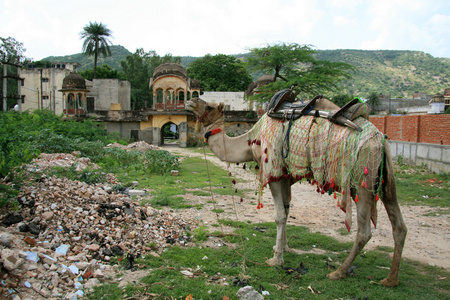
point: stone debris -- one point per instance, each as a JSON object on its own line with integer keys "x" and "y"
{"x": 59, "y": 242}
{"x": 248, "y": 293}
{"x": 140, "y": 145}
{"x": 65, "y": 160}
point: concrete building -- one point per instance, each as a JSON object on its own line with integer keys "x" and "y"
{"x": 40, "y": 86}
{"x": 232, "y": 100}
{"x": 106, "y": 93}
{"x": 42, "y": 89}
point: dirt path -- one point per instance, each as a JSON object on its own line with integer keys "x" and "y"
{"x": 428, "y": 238}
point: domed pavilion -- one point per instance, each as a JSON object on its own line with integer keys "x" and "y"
{"x": 74, "y": 94}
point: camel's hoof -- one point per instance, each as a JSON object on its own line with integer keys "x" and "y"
{"x": 274, "y": 262}
{"x": 388, "y": 282}
{"x": 335, "y": 275}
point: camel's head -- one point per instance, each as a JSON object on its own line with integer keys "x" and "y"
{"x": 206, "y": 113}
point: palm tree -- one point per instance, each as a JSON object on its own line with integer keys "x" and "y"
{"x": 96, "y": 41}
{"x": 373, "y": 101}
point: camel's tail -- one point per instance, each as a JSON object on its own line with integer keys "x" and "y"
{"x": 389, "y": 187}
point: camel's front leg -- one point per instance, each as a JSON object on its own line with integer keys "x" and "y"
{"x": 281, "y": 191}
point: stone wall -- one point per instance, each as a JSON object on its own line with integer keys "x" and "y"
{"x": 434, "y": 157}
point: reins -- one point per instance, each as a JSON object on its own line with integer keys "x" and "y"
{"x": 232, "y": 182}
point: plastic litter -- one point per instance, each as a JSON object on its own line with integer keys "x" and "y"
{"x": 33, "y": 256}
{"x": 62, "y": 250}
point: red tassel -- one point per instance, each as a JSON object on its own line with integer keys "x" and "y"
{"x": 259, "y": 206}
{"x": 334, "y": 195}
{"x": 356, "y": 198}
{"x": 377, "y": 198}
{"x": 233, "y": 181}
{"x": 366, "y": 171}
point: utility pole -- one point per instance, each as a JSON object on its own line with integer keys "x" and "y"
{"x": 5, "y": 92}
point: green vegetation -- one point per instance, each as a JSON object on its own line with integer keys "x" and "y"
{"x": 295, "y": 65}
{"x": 395, "y": 72}
{"x": 222, "y": 271}
{"x": 220, "y": 73}
{"x": 420, "y": 186}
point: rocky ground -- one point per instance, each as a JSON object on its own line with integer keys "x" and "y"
{"x": 65, "y": 235}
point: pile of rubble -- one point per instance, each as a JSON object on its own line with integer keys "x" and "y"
{"x": 141, "y": 146}
{"x": 65, "y": 160}
{"x": 64, "y": 234}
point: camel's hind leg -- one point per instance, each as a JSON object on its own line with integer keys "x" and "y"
{"x": 363, "y": 235}
{"x": 281, "y": 192}
{"x": 399, "y": 229}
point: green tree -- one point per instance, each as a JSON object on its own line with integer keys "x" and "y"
{"x": 220, "y": 73}
{"x": 103, "y": 72}
{"x": 373, "y": 101}
{"x": 138, "y": 68}
{"x": 11, "y": 57}
{"x": 11, "y": 51}
{"x": 96, "y": 41}
{"x": 295, "y": 65}
{"x": 342, "y": 99}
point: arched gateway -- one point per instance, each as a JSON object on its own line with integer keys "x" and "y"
{"x": 171, "y": 88}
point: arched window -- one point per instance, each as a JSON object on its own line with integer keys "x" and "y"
{"x": 181, "y": 96}
{"x": 70, "y": 101}
{"x": 159, "y": 96}
{"x": 195, "y": 94}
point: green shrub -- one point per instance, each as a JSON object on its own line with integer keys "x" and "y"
{"x": 160, "y": 161}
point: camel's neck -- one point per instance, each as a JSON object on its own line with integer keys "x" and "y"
{"x": 230, "y": 149}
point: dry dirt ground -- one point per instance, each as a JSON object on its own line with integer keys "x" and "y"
{"x": 428, "y": 238}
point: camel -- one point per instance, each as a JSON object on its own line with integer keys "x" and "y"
{"x": 366, "y": 171}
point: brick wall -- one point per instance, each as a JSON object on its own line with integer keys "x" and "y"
{"x": 432, "y": 129}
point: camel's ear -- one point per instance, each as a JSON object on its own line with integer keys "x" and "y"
{"x": 221, "y": 107}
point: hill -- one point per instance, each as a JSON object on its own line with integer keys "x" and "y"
{"x": 397, "y": 72}
{"x": 118, "y": 53}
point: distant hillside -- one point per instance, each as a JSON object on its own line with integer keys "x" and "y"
{"x": 118, "y": 53}
{"x": 400, "y": 73}
{"x": 397, "y": 72}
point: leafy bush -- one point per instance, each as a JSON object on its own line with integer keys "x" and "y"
{"x": 160, "y": 161}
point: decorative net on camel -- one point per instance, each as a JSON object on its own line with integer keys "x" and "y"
{"x": 333, "y": 157}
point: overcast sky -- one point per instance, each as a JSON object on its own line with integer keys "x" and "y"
{"x": 199, "y": 27}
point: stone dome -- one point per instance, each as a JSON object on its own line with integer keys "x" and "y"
{"x": 169, "y": 69}
{"x": 74, "y": 82}
{"x": 438, "y": 98}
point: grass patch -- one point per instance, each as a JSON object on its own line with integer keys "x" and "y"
{"x": 171, "y": 190}
{"x": 420, "y": 186}
{"x": 214, "y": 267}
{"x": 385, "y": 249}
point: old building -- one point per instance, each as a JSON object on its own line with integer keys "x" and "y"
{"x": 40, "y": 86}
{"x": 42, "y": 89}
